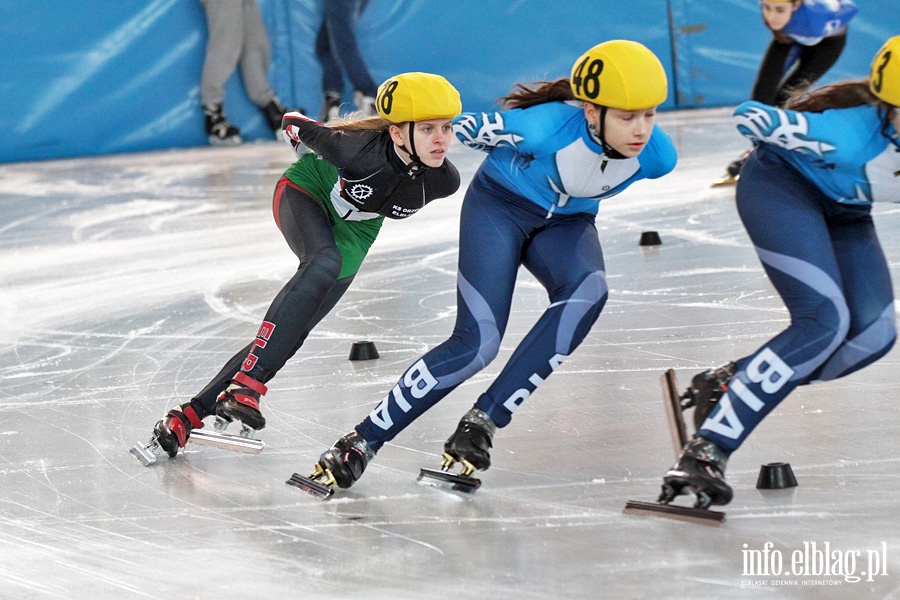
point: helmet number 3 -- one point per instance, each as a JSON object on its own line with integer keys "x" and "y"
{"x": 879, "y": 79}
{"x": 386, "y": 98}
{"x": 587, "y": 77}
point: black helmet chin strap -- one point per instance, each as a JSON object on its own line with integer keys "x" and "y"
{"x": 415, "y": 163}
{"x": 600, "y": 136}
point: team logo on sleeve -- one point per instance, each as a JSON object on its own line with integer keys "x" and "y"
{"x": 775, "y": 126}
{"x": 488, "y": 134}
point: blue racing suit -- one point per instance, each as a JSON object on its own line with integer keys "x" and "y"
{"x": 805, "y": 196}
{"x": 532, "y": 202}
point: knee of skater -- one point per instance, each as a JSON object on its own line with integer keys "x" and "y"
{"x": 830, "y": 320}
{"x": 479, "y": 345}
{"x": 580, "y": 311}
{"x": 328, "y": 263}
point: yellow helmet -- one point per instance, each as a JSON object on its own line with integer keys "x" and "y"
{"x": 417, "y": 97}
{"x": 884, "y": 79}
{"x": 620, "y": 74}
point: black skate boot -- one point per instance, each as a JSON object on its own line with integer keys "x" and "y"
{"x": 170, "y": 434}
{"x": 343, "y": 464}
{"x": 700, "y": 469}
{"x": 240, "y": 402}
{"x": 331, "y": 108}
{"x": 219, "y": 130}
{"x": 735, "y": 166}
{"x": 732, "y": 171}
{"x": 706, "y": 389}
{"x": 470, "y": 444}
{"x": 274, "y": 112}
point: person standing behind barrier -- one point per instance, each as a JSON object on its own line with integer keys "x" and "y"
{"x": 808, "y": 37}
{"x": 339, "y": 55}
{"x": 237, "y": 36}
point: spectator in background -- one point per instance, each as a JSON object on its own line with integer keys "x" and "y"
{"x": 338, "y": 53}
{"x": 237, "y": 36}
{"x": 808, "y": 37}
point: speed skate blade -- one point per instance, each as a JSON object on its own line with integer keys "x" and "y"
{"x": 674, "y": 412}
{"x": 310, "y": 486}
{"x": 449, "y": 481}
{"x": 227, "y": 441}
{"x": 682, "y": 513}
{"x": 725, "y": 180}
{"x": 143, "y": 454}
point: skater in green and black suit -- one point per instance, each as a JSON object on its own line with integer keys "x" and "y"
{"x": 330, "y": 205}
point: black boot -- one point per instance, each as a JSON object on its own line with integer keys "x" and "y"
{"x": 343, "y": 464}
{"x": 240, "y": 401}
{"x": 700, "y": 469}
{"x": 331, "y": 108}
{"x": 471, "y": 443}
{"x": 274, "y": 112}
{"x": 734, "y": 168}
{"x": 707, "y": 388}
{"x": 172, "y": 431}
{"x": 218, "y": 129}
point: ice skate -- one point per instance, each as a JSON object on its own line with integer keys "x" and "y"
{"x": 219, "y": 130}
{"x": 364, "y": 104}
{"x": 700, "y": 469}
{"x": 170, "y": 434}
{"x": 706, "y": 389}
{"x": 341, "y": 465}
{"x": 732, "y": 171}
{"x": 274, "y": 112}
{"x": 469, "y": 446}
{"x": 331, "y": 108}
{"x": 239, "y": 402}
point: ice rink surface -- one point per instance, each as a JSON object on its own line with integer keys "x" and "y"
{"x": 128, "y": 280}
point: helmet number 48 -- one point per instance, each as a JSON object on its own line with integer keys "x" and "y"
{"x": 586, "y": 79}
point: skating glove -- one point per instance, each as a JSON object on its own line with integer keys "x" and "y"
{"x": 291, "y": 133}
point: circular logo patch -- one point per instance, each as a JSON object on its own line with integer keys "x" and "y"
{"x": 359, "y": 191}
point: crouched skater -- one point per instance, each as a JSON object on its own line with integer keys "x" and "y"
{"x": 558, "y": 149}
{"x": 817, "y": 167}
{"x": 329, "y": 205}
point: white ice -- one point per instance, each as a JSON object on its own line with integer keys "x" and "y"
{"x": 128, "y": 280}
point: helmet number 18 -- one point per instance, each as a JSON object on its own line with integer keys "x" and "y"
{"x": 879, "y": 80}
{"x": 386, "y": 97}
{"x": 586, "y": 79}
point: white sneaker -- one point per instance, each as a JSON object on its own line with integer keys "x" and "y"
{"x": 364, "y": 103}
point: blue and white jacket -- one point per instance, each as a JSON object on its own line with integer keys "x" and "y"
{"x": 815, "y": 20}
{"x": 842, "y": 151}
{"x": 547, "y": 154}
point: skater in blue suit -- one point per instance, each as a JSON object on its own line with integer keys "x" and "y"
{"x": 818, "y": 166}
{"x": 808, "y": 37}
{"x": 559, "y": 149}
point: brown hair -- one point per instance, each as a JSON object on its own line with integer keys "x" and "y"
{"x": 523, "y": 96}
{"x": 360, "y": 121}
{"x": 844, "y": 94}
